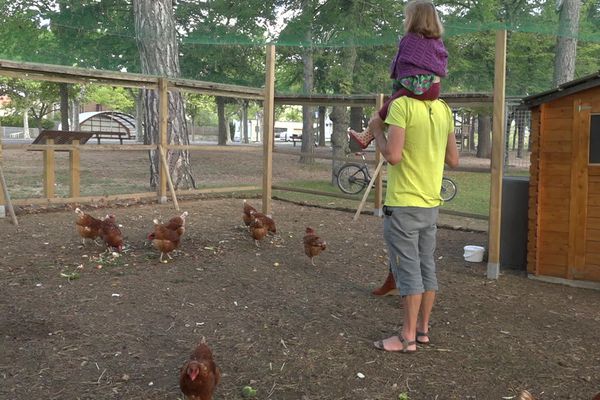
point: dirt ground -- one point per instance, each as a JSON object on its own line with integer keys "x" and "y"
{"x": 288, "y": 329}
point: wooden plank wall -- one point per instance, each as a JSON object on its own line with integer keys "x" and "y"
{"x": 554, "y": 182}
{"x": 592, "y": 232}
{"x": 533, "y": 192}
{"x": 564, "y": 190}
{"x": 591, "y": 270}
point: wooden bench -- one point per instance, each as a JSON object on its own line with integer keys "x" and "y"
{"x": 112, "y": 135}
{"x": 65, "y": 137}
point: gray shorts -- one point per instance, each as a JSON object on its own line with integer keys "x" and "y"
{"x": 410, "y": 236}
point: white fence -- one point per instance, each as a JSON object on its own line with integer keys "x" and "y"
{"x": 16, "y": 132}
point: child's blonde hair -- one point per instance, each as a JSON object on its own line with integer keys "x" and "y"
{"x": 420, "y": 16}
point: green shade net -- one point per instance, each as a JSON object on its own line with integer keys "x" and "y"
{"x": 350, "y": 43}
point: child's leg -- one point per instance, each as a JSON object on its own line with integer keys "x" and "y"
{"x": 364, "y": 138}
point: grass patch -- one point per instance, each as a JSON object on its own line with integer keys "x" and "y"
{"x": 473, "y": 193}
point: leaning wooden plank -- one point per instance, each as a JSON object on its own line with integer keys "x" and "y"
{"x": 163, "y": 159}
{"x": 11, "y": 210}
{"x": 368, "y": 190}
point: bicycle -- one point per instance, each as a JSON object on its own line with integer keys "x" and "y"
{"x": 353, "y": 178}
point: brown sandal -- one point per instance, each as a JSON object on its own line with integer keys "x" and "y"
{"x": 405, "y": 344}
{"x": 423, "y": 334}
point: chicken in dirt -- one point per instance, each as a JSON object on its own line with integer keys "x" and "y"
{"x": 247, "y": 213}
{"x": 266, "y": 220}
{"x": 199, "y": 376}
{"x": 87, "y": 226}
{"x": 258, "y": 230}
{"x": 166, "y": 237}
{"x": 111, "y": 234}
{"x": 313, "y": 244}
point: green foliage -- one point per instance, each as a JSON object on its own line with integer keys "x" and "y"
{"x": 291, "y": 114}
{"x": 351, "y": 41}
{"x": 113, "y": 98}
{"x": 17, "y": 120}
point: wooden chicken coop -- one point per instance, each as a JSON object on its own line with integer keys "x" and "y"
{"x": 564, "y": 188}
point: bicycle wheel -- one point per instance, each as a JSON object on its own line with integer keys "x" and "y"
{"x": 448, "y": 189}
{"x": 352, "y": 178}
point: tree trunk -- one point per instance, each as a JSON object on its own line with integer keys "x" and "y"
{"x": 472, "y": 133}
{"x": 308, "y": 134}
{"x": 509, "y": 121}
{"x": 566, "y": 41}
{"x": 75, "y": 118}
{"x": 139, "y": 116}
{"x": 245, "y": 121}
{"x": 63, "y": 89}
{"x": 339, "y": 138}
{"x": 26, "y": 134}
{"x": 159, "y": 55}
{"x": 322, "y": 112}
{"x": 520, "y": 134}
{"x": 484, "y": 141}
{"x": 222, "y": 135}
{"x": 356, "y": 118}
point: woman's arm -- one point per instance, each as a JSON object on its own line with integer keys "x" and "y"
{"x": 390, "y": 148}
{"x": 451, "y": 151}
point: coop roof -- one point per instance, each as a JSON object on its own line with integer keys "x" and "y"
{"x": 567, "y": 88}
{"x": 107, "y": 121}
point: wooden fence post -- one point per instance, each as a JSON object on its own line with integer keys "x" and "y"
{"x": 493, "y": 266}
{"x": 2, "y": 200}
{"x": 163, "y": 93}
{"x": 75, "y": 168}
{"x": 49, "y": 172}
{"x": 378, "y": 210}
{"x": 268, "y": 121}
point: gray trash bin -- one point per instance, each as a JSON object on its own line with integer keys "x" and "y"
{"x": 513, "y": 233}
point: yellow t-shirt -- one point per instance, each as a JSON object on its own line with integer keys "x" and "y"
{"x": 417, "y": 179}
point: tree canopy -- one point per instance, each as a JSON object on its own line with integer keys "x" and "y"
{"x": 223, "y": 41}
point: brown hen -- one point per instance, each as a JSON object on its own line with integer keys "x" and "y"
{"x": 258, "y": 230}
{"x": 87, "y": 226}
{"x": 247, "y": 213}
{"x": 199, "y": 375}
{"x": 267, "y": 221}
{"x": 313, "y": 244}
{"x": 166, "y": 237}
{"x": 111, "y": 234}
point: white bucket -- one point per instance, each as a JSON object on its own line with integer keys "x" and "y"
{"x": 474, "y": 253}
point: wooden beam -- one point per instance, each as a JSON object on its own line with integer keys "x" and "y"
{"x": 326, "y": 100}
{"x": 377, "y": 207}
{"x": 163, "y": 112}
{"x": 493, "y": 266}
{"x": 2, "y": 199}
{"x": 318, "y": 156}
{"x": 578, "y": 207}
{"x": 49, "y": 172}
{"x": 217, "y": 89}
{"x": 315, "y": 192}
{"x": 75, "y": 169}
{"x": 129, "y": 196}
{"x": 163, "y": 160}
{"x": 368, "y": 189}
{"x": 6, "y": 195}
{"x": 84, "y": 199}
{"x": 59, "y": 73}
{"x": 268, "y": 128}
